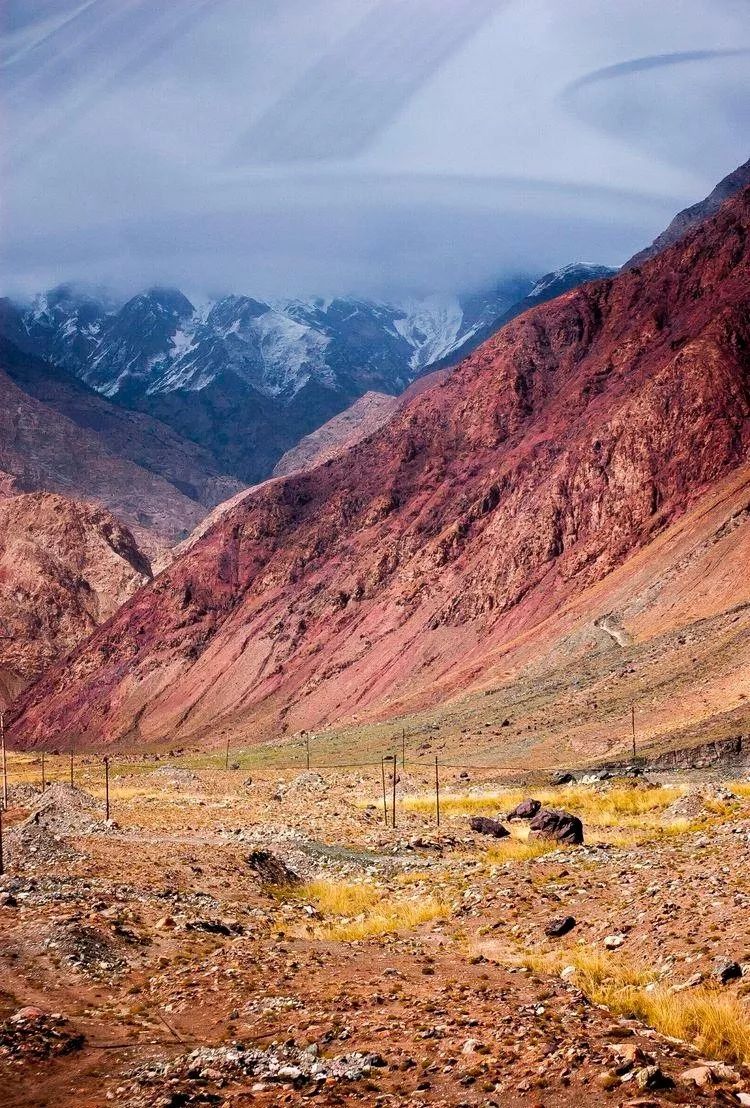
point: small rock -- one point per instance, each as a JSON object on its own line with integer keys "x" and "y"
{"x": 612, "y": 942}
{"x": 698, "y": 1075}
{"x": 651, "y": 1077}
{"x": 724, "y": 972}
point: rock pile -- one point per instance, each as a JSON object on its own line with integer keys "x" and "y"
{"x": 33, "y": 1034}
{"x": 287, "y": 1064}
{"x": 65, "y": 810}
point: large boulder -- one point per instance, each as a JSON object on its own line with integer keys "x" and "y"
{"x": 486, "y": 826}
{"x": 527, "y": 809}
{"x": 560, "y": 826}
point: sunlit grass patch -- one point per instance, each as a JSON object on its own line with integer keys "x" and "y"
{"x": 717, "y": 1023}
{"x": 362, "y": 911}
{"x": 520, "y": 850}
{"x": 389, "y": 917}
{"x": 338, "y": 898}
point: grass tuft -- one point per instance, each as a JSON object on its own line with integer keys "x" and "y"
{"x": 363, "y": 912}
{"x": 716, "y": 1023}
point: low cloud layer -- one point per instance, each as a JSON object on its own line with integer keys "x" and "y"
{"x": 385, "y": 147}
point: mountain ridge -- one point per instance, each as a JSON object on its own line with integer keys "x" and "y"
{"x": 561, "y": 447}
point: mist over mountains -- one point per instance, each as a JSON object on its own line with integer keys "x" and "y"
{"x": 246, "y": 378}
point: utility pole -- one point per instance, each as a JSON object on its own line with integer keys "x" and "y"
{"x": 632, "y": 724}
{"x": 71, "y": 763}
{"x": 5, "y": 761}
{"x": 403, "y": 748}
{"x": 226, "y": 760}
{"x": 385, "y": 802}
{"x": 44, "y": 783}
{"x": 307, "y": 749}
{"x": 394, "y": 761}
{"x": 437, "y": 791}
{"x": 2, "y": 867}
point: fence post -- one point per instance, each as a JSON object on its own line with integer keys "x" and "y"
{"x": 403, "y": 748}
{"x": 2, "y": 866}
{"x": 437, "y": 791}
{"x": 385, "y": 802}
{"x": 307, "y": 749}
{"x": 71, "y": 765}
{"x": 44, "y": 783}
{"x": 632, "y": 724}
{"x": 226, "y": 760}
{"x": 106, "y": 788}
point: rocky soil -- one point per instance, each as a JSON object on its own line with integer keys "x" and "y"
{"x": 148, "y": 962}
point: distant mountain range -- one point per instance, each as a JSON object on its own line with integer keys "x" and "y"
{"x": 246, "y": 379}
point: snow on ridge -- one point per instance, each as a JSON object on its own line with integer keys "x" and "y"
{"x": 432, "y": 327}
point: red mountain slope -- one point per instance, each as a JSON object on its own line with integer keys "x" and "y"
{"x": 386, "y": 578}
{"x": 64, "y": 568}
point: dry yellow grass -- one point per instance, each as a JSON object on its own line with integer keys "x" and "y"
{"x": 389, "y": 917}
{"x": 603, "y": 807}
{"x": 520, "y": 850}
{"x": 363, "y": 912}
{"x": 338, "y": 898}
{"x": 717, "y": 1023}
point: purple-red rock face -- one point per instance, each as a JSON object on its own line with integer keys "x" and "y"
{"x": 389, "y": 577}
{"x": 65, "y": 567}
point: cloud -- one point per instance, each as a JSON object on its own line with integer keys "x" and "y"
{"x": 299, "y": 146}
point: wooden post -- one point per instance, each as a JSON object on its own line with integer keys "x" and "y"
{"x": 106, "y": 788}
{"x": 307, "y": 749}
{"x": 393, "y": 801}
{"x": 437, "y": 791}
{"x": 2, "y": 866}
{"x": 71, "y": 765}
{"x": 5, "y": 762}
{"x": 403, "y": 748}
{"x": 44, "y": 783}
{"x": 226, "y": 760}
{"x": 385, "y": 802}
{"x": 632, "y": 723}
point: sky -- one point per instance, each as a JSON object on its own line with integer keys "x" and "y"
{"x": 373, "y": 147}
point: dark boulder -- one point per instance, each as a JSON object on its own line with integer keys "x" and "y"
{"x": 562, "y": 778}
{"x": 486, "y": 826}
{"x": 527, "y": 809}
{"x": 560, "y": 826}
{"x": 556, "y": 928}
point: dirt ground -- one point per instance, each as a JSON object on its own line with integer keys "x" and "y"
{"x": 149, "y": 961}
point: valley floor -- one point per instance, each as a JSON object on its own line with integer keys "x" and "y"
{"x": 405, "y": 965}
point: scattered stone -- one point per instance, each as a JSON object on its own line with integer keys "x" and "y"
{"x": 483, "y": 825}
{"x": 612, "y": 942}
{"x": 562, "y": 778}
